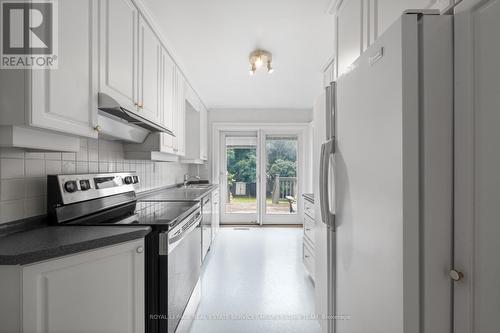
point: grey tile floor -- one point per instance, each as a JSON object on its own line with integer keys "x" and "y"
{"x": 254, "y": 281}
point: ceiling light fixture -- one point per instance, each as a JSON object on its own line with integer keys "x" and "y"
{"x": 258, "y": 58}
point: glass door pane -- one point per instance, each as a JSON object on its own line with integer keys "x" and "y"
{"x": 241, "y": 176}
{"x": 281, "y": 175}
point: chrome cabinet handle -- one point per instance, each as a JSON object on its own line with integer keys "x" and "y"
{"x": 140, "y": 249}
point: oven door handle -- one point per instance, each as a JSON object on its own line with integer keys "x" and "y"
{"x": 167, "y": 243}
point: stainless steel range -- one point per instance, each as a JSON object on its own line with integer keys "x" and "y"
{"x": 173, "y": 248}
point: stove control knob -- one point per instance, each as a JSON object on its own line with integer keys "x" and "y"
{"x": 70, "y": 186}
{"x": 128, "y": 180}
{"x": 136, "y": 179}
{"x": 84, "y": 185}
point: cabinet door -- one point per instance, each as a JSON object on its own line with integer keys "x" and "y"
{"x": 203, "y": 133}
{"x": 349, "y": 33}
{"x": 118, "y": 51}
{"x": 180, "y": 107}
{"x": 150, "y": 52}
{"x": 215, "y": 213}
{"x": 96, "y": 291}
{"x": 167, "y": 112}
{"x": 65, "y": 99}
{"x": 390, "y": 10}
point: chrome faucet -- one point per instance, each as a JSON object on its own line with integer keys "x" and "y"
{"x": 188, "y": 178}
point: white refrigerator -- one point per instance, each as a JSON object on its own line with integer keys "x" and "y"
{"x": 384, "y": 185}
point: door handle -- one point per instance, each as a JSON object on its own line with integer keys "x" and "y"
{"x": 327, "y": 215}
{"x": 322, "y": 182}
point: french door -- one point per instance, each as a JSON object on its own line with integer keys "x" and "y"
{"x": 261, "y": 176}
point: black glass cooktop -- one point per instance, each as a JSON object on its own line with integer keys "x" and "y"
{"x": 163, "y": 213}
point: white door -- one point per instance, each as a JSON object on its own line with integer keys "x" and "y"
{"x": 477, "y": 165}
{"x": 96, "y": 291}
{"x": 150, "y": 54}
{"x": 119, "y": 51}
{"x": 65, "y": 99}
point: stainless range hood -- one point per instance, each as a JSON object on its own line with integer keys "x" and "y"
{"x": 109, "y": 105}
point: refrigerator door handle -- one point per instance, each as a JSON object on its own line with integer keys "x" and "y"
{"x": 322, "y": 182}
{"x": 331, "y": 182}
{"x": 327, "y": 211}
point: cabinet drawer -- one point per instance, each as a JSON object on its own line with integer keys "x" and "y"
{"x": 309, "y": 229}
{"x": 308, "y": 258}
{"x": 309, "y": 209}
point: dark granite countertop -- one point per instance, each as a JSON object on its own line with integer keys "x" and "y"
{"x": 309, "y": 197}
{"x": 179, "y": 193}
{"x": 25, "y": 247}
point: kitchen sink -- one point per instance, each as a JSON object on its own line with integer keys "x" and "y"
{"x": 197, "y": 186}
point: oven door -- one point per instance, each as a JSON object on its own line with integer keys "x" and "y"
{"x": 183, "y": 269}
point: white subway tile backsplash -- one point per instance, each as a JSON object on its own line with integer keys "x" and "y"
{"x": 23, "y": 174}
{"x": 11, "y": 189}
{"x": 34, "y": 155}
{"x": 11, "y": 210}
{"x": 53, "y": 156}
{"x": 36, "y": 187}
{"x": 53, "y": 167}
{"x": 34, "y": 206}
{"x": 68, "y": 167}
{"x": 93, "y": 167}
{"x": 93, "y": 155}
{"x": 82, "y": 155}
{"x": 34, "y": 168}
{"x": 103, "y": 166}
{"x": 82, "y": 167}
{"x": 68, "y": 156}
{"x": 11, "y": 168}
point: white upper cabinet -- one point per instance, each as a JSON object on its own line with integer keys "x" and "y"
{"x": 203, "y": 133}
{"x": 180, "y": 112}
{"x": 349, "y": 28}
{"x": 150, "y": 56}
{"x": 167, "y": 102}
{"x": 196, "y": 129}
{"x": 119, "y": 51}
{"x": 360, "y": 22}
{"x": 62, "y": 100}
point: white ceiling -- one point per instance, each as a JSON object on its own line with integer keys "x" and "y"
{"x": 212, "y": 39}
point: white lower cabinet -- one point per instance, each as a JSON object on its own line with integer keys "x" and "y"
{"x": 309, "y": 223}
{"x": 97, "y": 291}
{"x": 215, "y": 214}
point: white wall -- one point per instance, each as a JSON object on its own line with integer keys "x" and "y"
{"x": 260, "y": 116}
{"x": 23, "y": 174}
